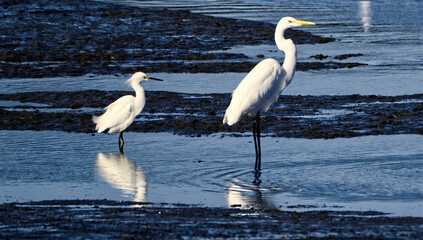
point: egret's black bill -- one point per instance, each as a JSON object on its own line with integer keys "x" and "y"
{"x": 157, "y": 79}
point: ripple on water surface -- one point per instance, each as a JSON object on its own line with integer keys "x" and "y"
{"x": 214, "y": 171}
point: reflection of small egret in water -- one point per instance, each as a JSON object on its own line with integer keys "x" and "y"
{"x": 263, "y": 85}
{"x": 122, "y": 112}
{"x": 246, "y": 196}
{"x": 123, "y": 174}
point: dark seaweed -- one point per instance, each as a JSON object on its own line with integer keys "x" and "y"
{"x": 103, "y": 219}
{"x": 70, "y": 38}
{"x": 199, "y": 114}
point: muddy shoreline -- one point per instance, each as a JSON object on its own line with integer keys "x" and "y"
{"x": 54, "y": 38}
{"x": 202, "y": 114}
{"x": 71, "y": 38}
{"x": 99, "y": 219}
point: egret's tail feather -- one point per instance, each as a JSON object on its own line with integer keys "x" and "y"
{"x": 231, "y": 118}
{"x": 97, "y": 121}
{"x": 225, "y": 119}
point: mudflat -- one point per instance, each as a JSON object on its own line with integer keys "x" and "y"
{"x": 101, "y": 219}
{"x": 71, "y": 38}
{"x": 202, "y": 114}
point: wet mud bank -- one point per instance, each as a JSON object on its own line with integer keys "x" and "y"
{"x": 202, "y": 114}
{"x": 71, "y": 38}
{"x": 99, "y": 219}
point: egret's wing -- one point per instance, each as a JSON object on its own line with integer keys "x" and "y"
{"x": 257, "y": 91}
{"x": 117, "y": 112}
{"x": 258, "y": 83}
{"x": 121, "y": 101}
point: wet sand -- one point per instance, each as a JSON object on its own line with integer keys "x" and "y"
{"x": 73, "y": 38}
{"x": 202, "y": 114}
{"x": 107, "y": 219}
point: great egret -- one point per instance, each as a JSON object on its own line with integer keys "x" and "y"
{"x": 263, "y": 85}
{"x": 122, "y": 112}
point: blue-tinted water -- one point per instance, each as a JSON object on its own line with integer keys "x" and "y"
{"x": 366, "y": 173}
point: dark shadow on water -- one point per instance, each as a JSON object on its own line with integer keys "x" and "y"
{"x": 257, "y": 171}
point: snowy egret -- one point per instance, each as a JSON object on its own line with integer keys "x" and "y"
{"x": 122, "y": 112}
{"x": 263, "y": 85}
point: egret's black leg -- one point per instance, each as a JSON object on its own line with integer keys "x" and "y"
{"x": 121, "y": 142}
{"x": 256, "y": 135}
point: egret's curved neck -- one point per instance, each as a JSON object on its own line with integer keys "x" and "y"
{"x": 139, "y": 96}
{"x": 288, "y": 47}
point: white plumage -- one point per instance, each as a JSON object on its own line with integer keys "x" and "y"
{"x": 122, "y": 112}
{"x": 123, "y": 174}
{"x": 261, "y": 88}
{"x": 257, "y": 91}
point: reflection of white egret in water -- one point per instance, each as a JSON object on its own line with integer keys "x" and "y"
{"x": 247, "y": 196}
{"x": 364, "y": 11}
{"x": 123, "y": 174}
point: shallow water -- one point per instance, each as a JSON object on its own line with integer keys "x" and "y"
{"x": 366, "y": 173}
{"x": 306, "y": 83}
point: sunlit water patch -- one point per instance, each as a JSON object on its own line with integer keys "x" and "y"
{"x": 366, "y": 173}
